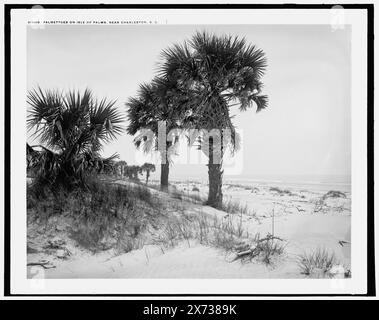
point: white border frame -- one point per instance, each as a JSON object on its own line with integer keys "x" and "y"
{"x": 356, "y": 285}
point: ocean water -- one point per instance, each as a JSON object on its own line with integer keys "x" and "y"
{"x": 306, "y": 182}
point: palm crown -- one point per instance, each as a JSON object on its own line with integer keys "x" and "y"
{"x": 160, "y": 100}
{"x": 71, "y": 129}
{"x": 74, "y": 122}
{"x": 217, "y": 72}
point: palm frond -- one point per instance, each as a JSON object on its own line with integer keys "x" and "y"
{"x": 261, "y": 102}
{"x": 105, "y": 120}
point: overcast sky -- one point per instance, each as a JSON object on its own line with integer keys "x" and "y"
{"x": 305, "y": 130}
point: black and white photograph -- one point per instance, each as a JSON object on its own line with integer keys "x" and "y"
{"x": 180, "y": 150}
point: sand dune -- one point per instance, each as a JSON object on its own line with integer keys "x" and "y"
{"x": 304, "y": 219}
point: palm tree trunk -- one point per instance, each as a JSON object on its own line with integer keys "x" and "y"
{"x": 215, "y": 181}
{"x": 164, "y": 175}
{"x": 147, "y": 176}
{"x": 215, "y": 184}
{"x": 165, "y": 168}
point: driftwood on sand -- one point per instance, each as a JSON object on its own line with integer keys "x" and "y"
{"x": 45, "y": 264}
{"x": 255, "y": 251}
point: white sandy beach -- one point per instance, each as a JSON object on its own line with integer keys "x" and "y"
{"x": 301, "y": 217}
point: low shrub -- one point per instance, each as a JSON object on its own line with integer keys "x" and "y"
{"x": 281, "y": 191}
{"x": 334, "y": 194}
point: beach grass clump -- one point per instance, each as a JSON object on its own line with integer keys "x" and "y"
{"x": 224, "y": 240}
{"x": 232, "y": 225}
{"x": 174, "y": 230}
{"x": 211, "y": 231}
{"x": 228, "y": 233}
{"x": 235, "y": 207}
{"x": 318, "y": 262}
{"x": 187, "y": 196}
{"x": 270, "y": 249}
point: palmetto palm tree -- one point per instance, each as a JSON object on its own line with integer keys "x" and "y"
{"x": 148, "y": 167}
{"x": 121, "y": 167}
{"x": 132, "y": 172}
{"x": 158, "y": 101}
{"x": 218, "y": 72}
{"x": 72, "y": 129}
{"x": 31, "y": 155}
